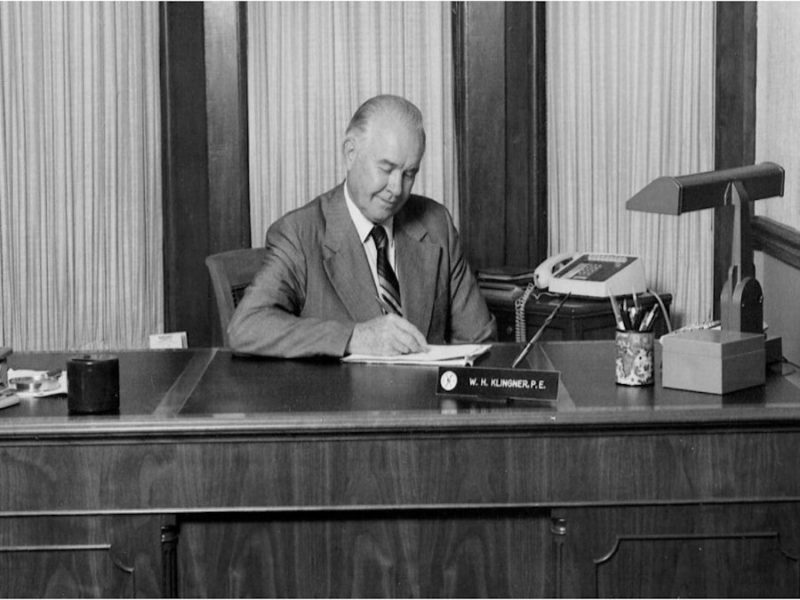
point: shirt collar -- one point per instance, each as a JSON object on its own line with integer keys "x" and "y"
{"x": 363, "y": 225}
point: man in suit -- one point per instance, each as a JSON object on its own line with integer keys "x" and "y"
{"x": 366, "y": 268}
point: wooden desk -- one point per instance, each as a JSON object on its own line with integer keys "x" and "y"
{"x": 225, "y": 477}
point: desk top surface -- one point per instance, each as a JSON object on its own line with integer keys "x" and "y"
{"x": 202, "y": 390}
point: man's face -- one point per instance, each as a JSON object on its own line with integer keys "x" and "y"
{"x": 381, "y": 167}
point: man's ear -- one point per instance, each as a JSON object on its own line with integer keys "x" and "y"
{"x": 349, "y": 151}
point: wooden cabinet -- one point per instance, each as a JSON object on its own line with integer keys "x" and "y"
{"x": 578, "y": 318}
{"x": 362, "y": 553}
{"x": 79, "y": 557}
{"x": 694, "y": 550}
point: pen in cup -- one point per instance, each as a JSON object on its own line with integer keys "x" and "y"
{"x": 647, "y": 322}
{"x": 626, "y": 315}
{"x": 632, "y": 318}
{"x": 617, "y": 313}
{"x": 382, "y": 304}
{"x": 634, "y": 314}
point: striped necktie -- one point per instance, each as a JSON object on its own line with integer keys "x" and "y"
{"x": 389, "y": 287}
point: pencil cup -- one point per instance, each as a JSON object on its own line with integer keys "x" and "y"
{"x": 634, "y": 358}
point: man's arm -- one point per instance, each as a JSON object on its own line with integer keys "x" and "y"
{"x": 267, "y": 320}
{"x": 470, "y": 319}
{"x": 388, "y": 335}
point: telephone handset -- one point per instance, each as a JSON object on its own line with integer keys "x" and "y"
{"x": 543, "y": 273}
{"x": 595, "y": 274}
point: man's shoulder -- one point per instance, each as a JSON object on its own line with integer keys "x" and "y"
{"x": 415, "y": 200}
{"x": 426, "y": 212}
{"x": 312, "y": 213}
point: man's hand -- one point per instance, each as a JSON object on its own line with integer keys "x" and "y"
{"x": 386, "y": 336}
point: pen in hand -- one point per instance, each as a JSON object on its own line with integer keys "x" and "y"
{"x": 384, "y": 309}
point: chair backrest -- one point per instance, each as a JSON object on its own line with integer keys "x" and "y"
{"x": 231, "y": 272}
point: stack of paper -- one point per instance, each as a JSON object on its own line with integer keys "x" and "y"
{"x": 504, "y": 276}
{"x": 8, "y": 397}
{"x": 456, "y": 355}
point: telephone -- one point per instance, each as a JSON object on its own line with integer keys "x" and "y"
{"x": 595, "y": 274}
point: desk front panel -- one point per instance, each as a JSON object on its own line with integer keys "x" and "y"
{"x": 80, "y": 556}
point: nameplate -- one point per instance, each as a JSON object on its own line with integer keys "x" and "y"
{"x": 168, "y": 340}
{"x": 498, "y": 383}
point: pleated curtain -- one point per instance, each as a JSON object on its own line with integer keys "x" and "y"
{"x": 630, "y": 97}
{"x": 80, "y": 175}
{"x": 311, "y": 64}
{"x": 777, "y": 101}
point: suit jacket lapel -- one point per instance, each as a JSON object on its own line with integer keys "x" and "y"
{"x": 345, "y": 262}
{"x": 418, "y": 267}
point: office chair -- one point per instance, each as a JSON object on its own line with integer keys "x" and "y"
{"x": 231, "y": 272}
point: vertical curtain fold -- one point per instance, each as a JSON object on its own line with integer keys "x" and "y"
{"x": 630, "y": 97}
{"x": 310, "y": 64}
{"x": 777, "y": 96}
{"x": 80, "y": 176}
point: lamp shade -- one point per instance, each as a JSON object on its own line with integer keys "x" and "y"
{"x": 686, "y": 193}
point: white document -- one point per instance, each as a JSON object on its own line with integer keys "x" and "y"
{"x": 172, "y": 340}
{"x": 8, "y": 398}
{"x": 454, "y": 355}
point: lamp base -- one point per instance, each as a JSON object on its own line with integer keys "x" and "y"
{"x": 713, "y": 361}
{"x": 773, "y": 349}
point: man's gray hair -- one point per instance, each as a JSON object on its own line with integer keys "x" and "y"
{"x": 386, "y": 104}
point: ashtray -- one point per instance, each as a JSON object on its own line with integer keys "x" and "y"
{"x": 41, "y": 383}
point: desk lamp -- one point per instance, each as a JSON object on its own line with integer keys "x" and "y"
{"x": 741, "y": 299}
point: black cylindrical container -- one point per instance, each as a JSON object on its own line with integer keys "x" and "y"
{"x": 93, "y": 384}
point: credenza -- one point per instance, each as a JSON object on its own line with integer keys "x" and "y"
{"x": 229, "y": 476}
{"x": 577, "y": 319}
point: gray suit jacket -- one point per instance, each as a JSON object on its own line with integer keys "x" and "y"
{"x": 316, "y": 282}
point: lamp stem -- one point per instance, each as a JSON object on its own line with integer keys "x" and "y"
{"x": 741, "y": 300}
{"x": 741, "y": 244}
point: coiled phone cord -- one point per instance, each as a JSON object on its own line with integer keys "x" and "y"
{"x": 520, "y": 330}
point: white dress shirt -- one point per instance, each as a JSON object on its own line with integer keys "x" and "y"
{"x": 364, "y": 227}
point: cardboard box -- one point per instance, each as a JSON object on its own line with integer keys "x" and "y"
{"x": 713, "y": 361}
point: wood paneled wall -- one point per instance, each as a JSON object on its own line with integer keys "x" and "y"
{"x": 185, "y": 168}
{"x": 205, "y": 166}
{"x": 735, "y": 104}
{"x": 499, "y": 53}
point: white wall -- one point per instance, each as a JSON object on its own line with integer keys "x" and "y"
{"x": 781, "y": 286}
